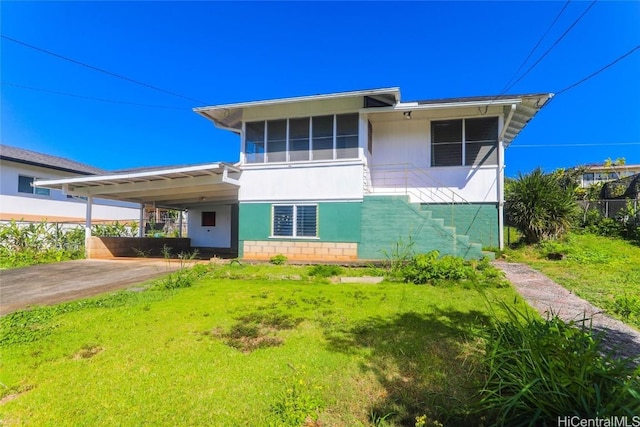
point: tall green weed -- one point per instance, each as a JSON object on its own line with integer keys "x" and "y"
{"x": 539, "y": 369}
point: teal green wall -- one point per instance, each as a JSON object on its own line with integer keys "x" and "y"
{"x": 337, "y": 222}
{"x": 479, "y": 221}
{"x": 379, "y": 222}
{"x": 387, "y": 219}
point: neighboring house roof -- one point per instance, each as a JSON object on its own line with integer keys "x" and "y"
{"x": 33, "y": 158}
{"x": 602, "y": 167}
{"x": 517, "y": 109}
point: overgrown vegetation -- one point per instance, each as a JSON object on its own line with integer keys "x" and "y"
{"x": 38, "y": 243}
{"x": 605, "y": 271}
{"x": 539, "y": 206}
{"x": 270, "y": 345}
{"x": 435, "y": 269}
{"x": 540, "y": 369}
{"x": 279, "y": 348}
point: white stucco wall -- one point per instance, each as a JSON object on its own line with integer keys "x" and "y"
{"x": 401, "y": 161}
{"x": 310, "y": 181}
{"x": 16, "y": 205}
{"x": 210, "y": 237}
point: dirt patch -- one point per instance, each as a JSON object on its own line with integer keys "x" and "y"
{"x": 549, "y": 298}
{"x": 87, "y": 352}
{"x": 257, "y": 330}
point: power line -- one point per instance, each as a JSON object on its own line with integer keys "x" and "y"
{"x": 603, "y": 144}
{"x": 620, "y": 58}
{"x": 99, "y": 69}
{"x": 552, "y": 46}
{"x": 536, "y": 46}
{"x": 89, "y": 97}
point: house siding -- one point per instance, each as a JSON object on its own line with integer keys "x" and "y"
{"x": 338, "y": 233}
{"x": 479, "y": 221}
{"x": 389, "y": 220}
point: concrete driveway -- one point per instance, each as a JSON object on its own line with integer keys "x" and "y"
{"x": 69, "y": 280}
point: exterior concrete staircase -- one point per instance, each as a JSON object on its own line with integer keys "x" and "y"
{"x": 387, "y": 220}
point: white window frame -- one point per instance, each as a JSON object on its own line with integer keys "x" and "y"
{"x": 464, "y": 141}
{"x": 265, "y": 159}
{"x": 34, "y": 190}
{"x": 295, "y": 221}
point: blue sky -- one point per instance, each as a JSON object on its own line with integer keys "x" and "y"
{"x": 217, "y": 53}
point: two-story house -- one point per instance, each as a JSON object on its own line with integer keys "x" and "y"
{"x": 344, "y": 176}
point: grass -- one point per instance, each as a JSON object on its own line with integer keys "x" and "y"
{"x": 604, "y": 271}
{"x": 249, "y": 345}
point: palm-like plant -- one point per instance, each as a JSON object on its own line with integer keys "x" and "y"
{"x": 539, "y": 206}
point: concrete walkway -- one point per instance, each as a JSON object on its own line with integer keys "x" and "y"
{"x": 69, "y": 280}
{"x": 548, "y": 297}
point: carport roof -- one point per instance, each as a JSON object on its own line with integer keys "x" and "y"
{"x": 170, "y": 187}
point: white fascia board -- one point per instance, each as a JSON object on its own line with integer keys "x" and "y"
{"x": 393, "y": 90}
{"x": 414, "y": 106}
{"x": 134, "y": 175}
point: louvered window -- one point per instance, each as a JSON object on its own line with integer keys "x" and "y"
{"x": 473, "y": 140}
{"x": 295, "y": 220}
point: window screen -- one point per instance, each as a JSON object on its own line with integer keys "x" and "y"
{"x": 322, "y": 137}
{"x": 254, "y": 142}
{"x": 277, "y": 141}
{"x": 446, "y": 146}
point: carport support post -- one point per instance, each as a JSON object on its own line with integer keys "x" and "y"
{"x": 180, "y": 212}
{"x": 141, "y": 223}
{"x": 87, "y": 226}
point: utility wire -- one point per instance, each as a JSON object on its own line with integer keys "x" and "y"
{"x": 536, "y": 46}
{"x": 91, "y": 98}
{"x": 604, "y": 144}
{"x": 552, "y": 46}
{"x": 99, "y": 69}
{"x": 595, "y": 73}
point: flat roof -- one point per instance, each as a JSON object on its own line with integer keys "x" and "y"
{"x": 171, "y": 187}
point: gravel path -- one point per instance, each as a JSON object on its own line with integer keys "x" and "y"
{"x": 547, "y": 296}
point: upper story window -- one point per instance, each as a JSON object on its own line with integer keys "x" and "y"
{"x": 302, "y": 139}
{"x": 464, "y": 142}
{"x": 24, "y": 186}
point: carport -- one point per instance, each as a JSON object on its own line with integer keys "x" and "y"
{"x": 193, "y": 188}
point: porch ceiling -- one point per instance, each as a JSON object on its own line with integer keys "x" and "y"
{"x": 171, "y": 187}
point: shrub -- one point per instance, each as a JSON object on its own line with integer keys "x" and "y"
{"x": 325, "y": 270}
{"x": 430, "y": 267}
{"x": 540, "y": 369}
{"x": 278, "y": 259}
{"x": 539, "y": 206}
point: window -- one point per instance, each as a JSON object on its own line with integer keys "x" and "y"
{"x": 208, "y": 219}
{"x": 277, "y": 141}
{"x": 302, "y": 139}
{"x": 295, "y": 220}
{"x": 299, "y": 139}
{"x": 464, "y": 142}
{"x": 24, "y": 186}
{"x": 254, "y": 142}
{"x": 347, "y": 136}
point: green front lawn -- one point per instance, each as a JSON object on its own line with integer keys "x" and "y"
{"x": 250, "y": 346}
{"x": 604, "y": 271}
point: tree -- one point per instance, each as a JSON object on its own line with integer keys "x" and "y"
{"x": 539, "y": 206}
